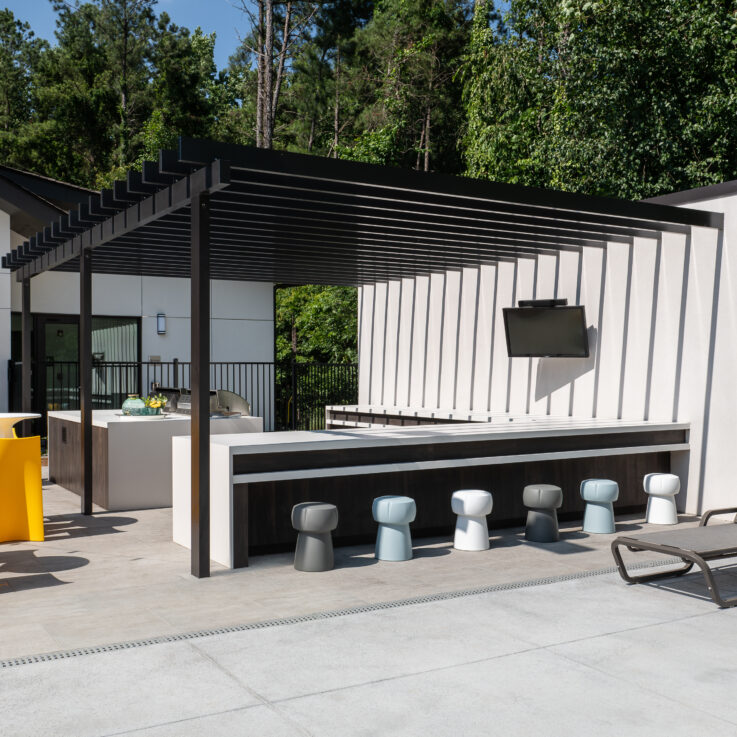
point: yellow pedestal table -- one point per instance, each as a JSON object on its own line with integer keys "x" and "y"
{"x": 21, "y": 496}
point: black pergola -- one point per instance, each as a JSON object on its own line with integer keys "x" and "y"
{"x": 222, "y": 211}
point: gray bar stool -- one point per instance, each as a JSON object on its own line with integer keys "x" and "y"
{"x": 314, "y": 521}
{"x": 542, "y": 520}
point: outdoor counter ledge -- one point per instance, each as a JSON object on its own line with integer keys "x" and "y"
{"x": 131, "y": 456}
{"x": 255, "y": 479}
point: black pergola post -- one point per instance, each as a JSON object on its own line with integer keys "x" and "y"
{"x": 26, "y": 327}
{"x": 85, "y": 376}
{"x": 200, "y": 381}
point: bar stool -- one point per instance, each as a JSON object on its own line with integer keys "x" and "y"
{"x": 393, "y": 539}
{"x": 314, "y": 521}
{"x": 542, "y": 500}
{"x": 661, "y": 503}
{"x": 471, "y": 506}
{"x": 599, "y": 495}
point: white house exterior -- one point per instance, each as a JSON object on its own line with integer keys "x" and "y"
{"x": 662, "y": 316}
{"x": 242, "y": 325}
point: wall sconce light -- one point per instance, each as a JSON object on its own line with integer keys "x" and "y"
{"x": 161, "y": 323}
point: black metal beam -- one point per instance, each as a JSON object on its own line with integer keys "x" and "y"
{"x": 85, "y": 377}
{"x": 200, "y": 383}
{"x": 26, "y": 358}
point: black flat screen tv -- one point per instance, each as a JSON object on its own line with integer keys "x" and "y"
{"x": 536, "y": 332}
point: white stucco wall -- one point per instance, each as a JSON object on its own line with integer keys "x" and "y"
{"x": 661, "y": 315}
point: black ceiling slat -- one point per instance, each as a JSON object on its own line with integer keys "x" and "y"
{"x": 371, "y": 248}
{"x": 467, "y": 210}
{"x": 254, "y": 225}
{"x": 442, "y": 222}
{"x": 398, "y": 180}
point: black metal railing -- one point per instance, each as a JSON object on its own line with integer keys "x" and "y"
{"x": 287, "y": 395}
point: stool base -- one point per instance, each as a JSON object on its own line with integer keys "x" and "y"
{"x": 599, "y": 518}
{"x": 472, "y": 534}
{"x": 393, "y": 542}
{"x": 542, "y": 526}
{"x": 314, "y": 552}
{"x": 661, "y": 510}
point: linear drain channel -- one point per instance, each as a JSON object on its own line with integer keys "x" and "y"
{"x": 427, "y": 599}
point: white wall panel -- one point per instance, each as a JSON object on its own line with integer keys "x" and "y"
{"x": 467, "y": 338}
{"x": 391, "y": 338}
{"x": 169, "y": 295}
{"x": 242, "y": 340}
{"x": 378, "y": 341}
{"x": 482, "y": 342}
{"x": 449, "y": 351}
{"x": 434, "y": 341}
{"x": 405, "y": 342}
{"x": 239, "y": 300}
{"x": 418, "y": 364}
{"x": 519, "y": 374}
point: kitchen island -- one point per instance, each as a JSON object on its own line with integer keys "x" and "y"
{"x": 131, "y": 456}
{"x": 256, "y": 479}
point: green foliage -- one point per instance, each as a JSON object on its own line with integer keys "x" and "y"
{"x": 630, "y": 99}
{"x": 324, "y": 319}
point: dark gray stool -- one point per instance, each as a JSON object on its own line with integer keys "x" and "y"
{"x": 314, "y": 521}
{"x": 542, "y": 520}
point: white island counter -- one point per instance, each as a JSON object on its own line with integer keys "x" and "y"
{"x": 131, "y": 455}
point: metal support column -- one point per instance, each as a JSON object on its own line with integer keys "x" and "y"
{"x": 200, "y": 383}
{"x": 85, "y": 376}
{"x": 26, "y": 368}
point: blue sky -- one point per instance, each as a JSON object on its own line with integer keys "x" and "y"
{"x": 211, "y": 15}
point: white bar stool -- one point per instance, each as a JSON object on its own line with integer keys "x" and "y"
{"x": 471, "y": 506}
{"x": 661, "y": 503}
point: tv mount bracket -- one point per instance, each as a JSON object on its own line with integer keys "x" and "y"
{"x": 542, "y": 303}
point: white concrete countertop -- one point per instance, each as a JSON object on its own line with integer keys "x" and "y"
{"x": 513, "y": 427}
{"x": 105, "y": 417}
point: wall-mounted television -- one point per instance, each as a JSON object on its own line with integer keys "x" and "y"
{"x": 537, "y": 332}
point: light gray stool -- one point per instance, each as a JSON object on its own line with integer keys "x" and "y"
{"x": 314, "y": 522}
{"x": 542, "y": 520}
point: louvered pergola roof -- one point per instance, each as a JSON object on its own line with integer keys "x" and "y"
{"x": 290, "y": 218}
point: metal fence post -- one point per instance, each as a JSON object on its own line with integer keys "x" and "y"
{"x": 175, "y": 383}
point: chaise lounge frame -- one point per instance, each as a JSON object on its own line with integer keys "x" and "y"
{"x": 695, "y": 545}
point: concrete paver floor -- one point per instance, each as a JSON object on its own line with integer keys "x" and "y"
{"x": 118, "y": 576}
{"x": 577, "y": 658}
{"x": 585, "y": 656}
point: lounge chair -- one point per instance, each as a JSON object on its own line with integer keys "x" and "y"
{"x": 691, "y": 544}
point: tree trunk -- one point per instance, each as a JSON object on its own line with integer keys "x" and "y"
{"x": 336, "y": 110}
{"x": 260, "y": 81}
{"x": 311, "y": 139}
{"x": 268, "y": 119}
{"x": 282, "y": 59}
{"x": 427, "y": 139}
{"x": 420, "y": 146}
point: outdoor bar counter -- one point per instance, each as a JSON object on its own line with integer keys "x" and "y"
{"x": 256, "y": 479}
{"x": 131, "y": 456}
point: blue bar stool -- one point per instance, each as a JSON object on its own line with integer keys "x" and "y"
{"x": 393, "y": 539}
{"x": 599, "y": 495}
